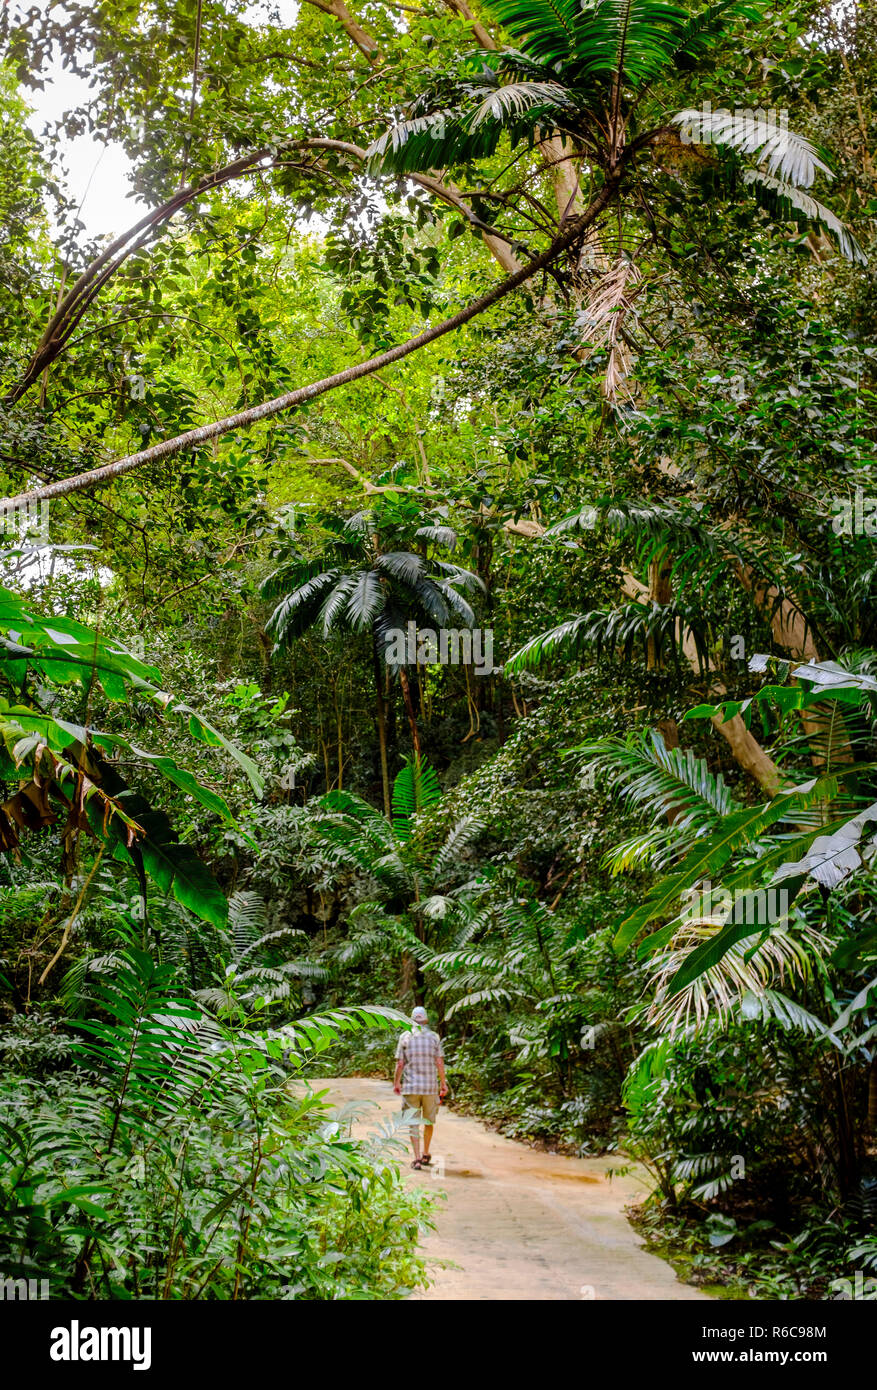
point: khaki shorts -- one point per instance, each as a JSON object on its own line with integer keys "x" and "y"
{"x": 427, "y": 1106}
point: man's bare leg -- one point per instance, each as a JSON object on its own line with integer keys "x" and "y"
{"x": 427, "y": 1139}
{"x": 415, "y": 1141}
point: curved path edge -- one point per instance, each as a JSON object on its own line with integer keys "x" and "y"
{"x": 518, "y": 1223}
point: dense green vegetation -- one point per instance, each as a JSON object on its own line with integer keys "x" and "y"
{"x": 529, "y": 672}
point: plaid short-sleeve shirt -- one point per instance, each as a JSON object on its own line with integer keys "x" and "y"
{"x": 419, "y": 1050}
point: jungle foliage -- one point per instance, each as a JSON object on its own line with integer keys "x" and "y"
{"x": 252, "y": 810}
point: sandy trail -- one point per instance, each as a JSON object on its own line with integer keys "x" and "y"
{"x": 518, "y": 1223}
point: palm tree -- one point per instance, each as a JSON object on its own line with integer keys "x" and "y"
{"x": 357, "y": 585}
{"x": 585, "y": 73}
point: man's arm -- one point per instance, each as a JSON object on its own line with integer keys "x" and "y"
{"x": 397, "y": 1079}
{"x": 440, "y": 1068}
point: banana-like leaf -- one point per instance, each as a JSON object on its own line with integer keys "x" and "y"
{"x": 831, "y": 858}
{"x": 709, "y": 856}
{"x": 78, "y": 785}
{"x": 830, "y": 678}
{"x": 63, "y": 650}
{"x": 16, "y": 720}
{"x": 205, "y": 732}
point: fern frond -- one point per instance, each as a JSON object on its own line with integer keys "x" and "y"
{"x": 663, "y": 781}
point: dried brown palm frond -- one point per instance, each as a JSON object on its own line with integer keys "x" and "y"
{"x": 751, "y": 967}
{"x": 602, "y": 320}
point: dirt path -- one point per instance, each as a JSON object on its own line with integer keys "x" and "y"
{"x": 518, "y": 1223}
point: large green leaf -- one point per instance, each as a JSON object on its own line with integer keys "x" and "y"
{"x": 172, "y": 865}
{"x": 709, "y": 857}
{"x": 63, "y": 650}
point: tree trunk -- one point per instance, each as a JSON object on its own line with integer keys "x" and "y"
{"x": 409, "y": 709}
{"x": 382, "y": 728}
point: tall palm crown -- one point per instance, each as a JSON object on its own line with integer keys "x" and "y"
{"x": 585, "y": 71}
{"x": 358, "y": 584}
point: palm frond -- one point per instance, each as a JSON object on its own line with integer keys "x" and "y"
{"x": 709, "y": 856}
{"x": 456, "y": 574}
{"x": 490, "y": 994}
{"x": 663, "y": 781}
{"x": 699, "y": 33}
{"x": 462, "y": 610}
{"x": 442, "y": 535}
{"x": 549, "y": 30}
{"x": 564, "y": 641}
{"x": 791, "y": 204}
{"x": 458, "y": 841}
{"x": 365, "y": 600}
{"x": 602, "y": 320}
{"x": 665, "y": 522}
{"x": 436, "y": 141}
{"x": 331, "y": 612}
{"x": 784, "y": 153}
{"x": 290, "y": 576}
{"x": 350, "y": 821}
{"x": 651, "y": 849}
{"x": 512, "y": 99}
{"x": 401, "y": 564}
{"x": 296, "y": 612}
{"x": 247, "y": 918}
{"x": 740, "y": 983}
{"x": 619, "y": 633}
{"x": 415, "y": 789}
{"x": 711, "y": 1174}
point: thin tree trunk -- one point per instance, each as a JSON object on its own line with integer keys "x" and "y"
{"x": 660, "y": 592}
{"x": 382, "y": 729}
{"x": 872, "y": 1097}
{"x": 409, "y": 709}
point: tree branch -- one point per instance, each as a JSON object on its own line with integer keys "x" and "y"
{"x": 75, "y": 302}
{"x": 291, "y": 399}
{"x": 366, "y": 44}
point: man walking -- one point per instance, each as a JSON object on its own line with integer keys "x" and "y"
{"x": 420, "y": 1080}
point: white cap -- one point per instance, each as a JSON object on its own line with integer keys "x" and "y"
{"x": 419, "y": 1015}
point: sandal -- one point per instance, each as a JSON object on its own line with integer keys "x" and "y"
{"x": 426, "y": 1160}
{"x": 417, "y": 1164}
